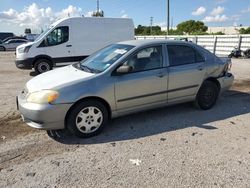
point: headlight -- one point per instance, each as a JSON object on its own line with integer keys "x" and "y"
{"x": 42, "y": 97}
{"x": 24, "y": 49}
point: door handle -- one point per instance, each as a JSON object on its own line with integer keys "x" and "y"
{"x": 69, "y": 45}
{"x": 200, "y": 68}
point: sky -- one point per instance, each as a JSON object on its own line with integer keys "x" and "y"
{"x": 16, "y": 15}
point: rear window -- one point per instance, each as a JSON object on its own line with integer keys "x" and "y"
{"x": 182, "y": 55}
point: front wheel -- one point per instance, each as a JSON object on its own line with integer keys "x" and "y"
{"x": 87, "y": 119}
{"x": 42, "y": 65}
{"x": 207, "y": 95}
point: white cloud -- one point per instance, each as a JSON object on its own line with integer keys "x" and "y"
{"x": 124, "y": 16}
{"x": 123, "y": 11}
{"x": 216, "y": 15}
{"x": 70, "y": 11}
{"x": 217, "y": 11}
{"x": 36, "y": 17}
{"x": 217, "y": 18}
{"x": 220, "y": 1}
{"x": 246, "y": 10}
{"x": 199, "y": 11}
{"x": 88, "y": 14}
{"x": 161, "y": 24}
{"x": 10, "y": 14}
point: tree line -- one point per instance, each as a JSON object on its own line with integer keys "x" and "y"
{"x": 190, "y": 27}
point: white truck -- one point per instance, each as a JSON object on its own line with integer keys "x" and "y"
{"x": 71, "y": 40}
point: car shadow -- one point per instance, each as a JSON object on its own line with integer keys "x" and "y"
{"x": 33, "y": 73}
{"x": 172, "y": 118}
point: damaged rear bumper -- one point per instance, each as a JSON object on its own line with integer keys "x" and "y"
{"x": 226, "y": 81}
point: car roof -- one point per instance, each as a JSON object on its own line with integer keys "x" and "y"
{"x": 145, "y": 42}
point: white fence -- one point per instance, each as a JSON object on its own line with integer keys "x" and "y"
{"x": 219, "y": 44}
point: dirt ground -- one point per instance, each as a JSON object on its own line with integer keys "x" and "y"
{"x": 178, "y": 146}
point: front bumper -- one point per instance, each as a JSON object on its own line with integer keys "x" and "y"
{"x": 24, "y": 64}
{"x": 43, "y": 116}
{"x": 226, "y": 81}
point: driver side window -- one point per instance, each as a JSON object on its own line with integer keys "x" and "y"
{"x": 57, "y": 36}
{"x": 146, "y": 59}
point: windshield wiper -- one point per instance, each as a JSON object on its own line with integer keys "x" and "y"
{"x": 87, "y": 69}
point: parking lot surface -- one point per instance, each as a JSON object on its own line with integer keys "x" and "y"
{"x": 177, "y": 146}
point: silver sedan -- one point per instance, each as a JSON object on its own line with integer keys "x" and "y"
{"x": 120, "y": 79}
{"x": 11, "y": 44}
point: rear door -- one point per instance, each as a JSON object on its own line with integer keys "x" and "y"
{"x": 186, "y": 71}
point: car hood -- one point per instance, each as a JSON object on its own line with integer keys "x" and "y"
{"x": 56, "y": 78}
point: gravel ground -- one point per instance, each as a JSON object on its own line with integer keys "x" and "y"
{"x": 178, "y": 146}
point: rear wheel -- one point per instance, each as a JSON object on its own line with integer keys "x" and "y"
{"x": 207, "y": 95}
{"x": 42, "y": 65}
{"x": 87, "y": 119}
{"x": 247, "y": 53}
{"x": 2, "y": 48}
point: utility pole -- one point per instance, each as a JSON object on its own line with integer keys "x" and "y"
{"x": 97, "y": 6}
{"x": 172, "y": 22}
{"x": 151, "y": 25}
{"x": 168, "y": 14}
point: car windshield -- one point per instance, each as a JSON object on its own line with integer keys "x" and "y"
{"x": 104, "y": 58}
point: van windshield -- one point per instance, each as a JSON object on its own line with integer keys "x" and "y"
{"x": 42, "y": 34}
{"x": 103, "y": 59}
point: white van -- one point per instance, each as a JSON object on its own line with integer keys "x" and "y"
{"x": 72, "y": 39}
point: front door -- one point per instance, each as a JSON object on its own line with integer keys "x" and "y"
{"x": 58, "y": 45}
{"x": 146, "y": 84}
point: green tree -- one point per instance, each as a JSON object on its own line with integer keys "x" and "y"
{"x": 27, "y": 31}
{"x": 175, "y": 32}
{"x": 146, "y": 30}
{"x": 244, "y": 31}
{"x": 139, "y": 30}
{"x": 218, "y": 33}
{"x": 99, "y": 13}
{"x": 192, "y": 27}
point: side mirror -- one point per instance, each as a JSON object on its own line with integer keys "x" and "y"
{"x": 124, "y": 69}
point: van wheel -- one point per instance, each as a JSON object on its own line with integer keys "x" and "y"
{"x": 87, "y": 119}
{"x": 2, "y": 48}
{"x": 42, "y": 65}
{"x": 207, "y": 95}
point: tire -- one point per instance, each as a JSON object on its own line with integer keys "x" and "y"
{"x": 207, "y": 95}
{"x": 42, "y": 65}
{"x": 230, "y": 55}
{"x": 2, "y": 48}
{"x": 247, "y": 53}
{"x": 87, "y": 119}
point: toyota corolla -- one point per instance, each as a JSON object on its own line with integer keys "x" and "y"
{"x": 120, "y": 79}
